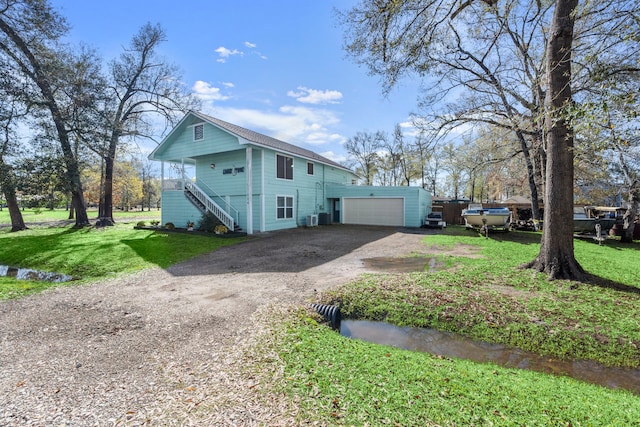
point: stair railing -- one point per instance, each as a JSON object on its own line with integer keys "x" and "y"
{"x": 209, "y": 204}
{"x": 220, "y": 200}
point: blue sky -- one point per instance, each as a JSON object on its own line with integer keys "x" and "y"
{"x": 276, "y": 67}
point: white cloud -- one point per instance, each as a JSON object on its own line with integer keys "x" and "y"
{"x": 338, "y": 158}
{"x": 206, "y": 92}
{"x": 314, "y": 96}
{"x": 225, "y": 53}
{"x": 295, "y": 125}
{"x": 228, "y": 84}
{"x": 250, "y": 45}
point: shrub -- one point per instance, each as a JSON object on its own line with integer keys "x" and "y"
{"x": 155, "y": 222}
{"x": 169, "y": 226}
{"x": 220, "y": 229}
{"x": 208, "y": 222}
{"x": 141, "y": 224}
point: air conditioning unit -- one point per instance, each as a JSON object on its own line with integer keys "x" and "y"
{"x": 312, "y": 220}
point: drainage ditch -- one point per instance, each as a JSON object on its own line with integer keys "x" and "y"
{"x": 451, "y": 345}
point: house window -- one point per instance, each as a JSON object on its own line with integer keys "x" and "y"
{"x": 198, "y": 132}
{"x": 309, "y": 168}
{"x": 284, "y": 166}
{"x": 284, "y": 207}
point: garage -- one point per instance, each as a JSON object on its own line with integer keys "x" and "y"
{"x": 373, "y": 211}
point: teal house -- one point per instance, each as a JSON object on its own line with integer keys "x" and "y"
{"x": 255, "y": 183}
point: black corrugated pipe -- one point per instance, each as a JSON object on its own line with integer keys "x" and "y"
{"x": 330, "y": 312}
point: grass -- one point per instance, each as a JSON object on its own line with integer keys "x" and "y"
{"x": 488, "y": 298}
{"x": 338, "y": 381}
{"x": 89, "y": 254}
{"x": 45, "y": 215}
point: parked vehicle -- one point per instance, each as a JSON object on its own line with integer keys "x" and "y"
{"x": 436, "y": 218}
{"x": 587, "y": 218}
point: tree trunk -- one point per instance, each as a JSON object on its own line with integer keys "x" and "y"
{"x": 106, "y": 201}
{"x": 631, "y": 213}
{"x": 533, "y": 189}
{"x": 17, "y": 222}
{"x": 8, "y": 188}
{"x": 556, "y": 257}
{"x": 72, "y": 211}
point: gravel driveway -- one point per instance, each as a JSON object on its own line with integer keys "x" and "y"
{"x": 129, "y": 351}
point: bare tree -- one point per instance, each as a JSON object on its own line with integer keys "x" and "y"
{"x": 144, "y": 87}
{"x": 363, "y": 149}
{"x": 484, "y": 59}
{"x": 427, "y": 162}
{"x": 456, "y": 168}
{"x": 29, "y": 35}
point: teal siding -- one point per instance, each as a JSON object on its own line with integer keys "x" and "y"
{"x": 183, "y": 145}
{"x": 229, "y": 176}
{"x": 417, "y": 201}
{"x": 176, "y": 208}
{"x": 308, "y": 191}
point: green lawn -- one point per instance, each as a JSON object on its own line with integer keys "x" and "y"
{"x": 45, "y": 215}
{"x": 91, "y": 253}
{"x": 338, "y": 381}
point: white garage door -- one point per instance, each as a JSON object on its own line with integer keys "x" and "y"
{"x": 373, "y": 211}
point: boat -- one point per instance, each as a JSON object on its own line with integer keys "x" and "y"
{"x": 586, "y": 219}
{"x": 478, "y": 217}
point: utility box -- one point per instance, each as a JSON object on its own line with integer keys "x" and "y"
{"x": 312, "y": 220}
{"x": 324, "y": 218}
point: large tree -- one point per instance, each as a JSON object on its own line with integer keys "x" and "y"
{"x": 481, "y": 62}
{"x": 30, "y": 31}
{"x": 556, "y": 257}
{"x": 144, "y": 89}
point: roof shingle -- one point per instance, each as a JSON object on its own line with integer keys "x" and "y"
{"x": 267, "y": 141}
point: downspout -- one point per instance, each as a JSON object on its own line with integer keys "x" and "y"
{"x": 296, "y": 213}
{"x": 263, "y": 225}
{"x": 184, "y": 179}
{"x": 161, "y": 191}
{"x": 249, "y": 190}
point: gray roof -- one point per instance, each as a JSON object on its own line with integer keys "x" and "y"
{"x": 267, "y": 141}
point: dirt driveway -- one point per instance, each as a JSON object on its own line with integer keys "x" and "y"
{"x": 121, "y": 351}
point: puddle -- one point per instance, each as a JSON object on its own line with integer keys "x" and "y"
{"x": 451, "y": 345}
{"x": 29, "y": 274}
{"x": 401, "y": 265}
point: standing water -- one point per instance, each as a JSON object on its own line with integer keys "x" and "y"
{"x": 451, "y": 345}
{"x": 29, "y": 274}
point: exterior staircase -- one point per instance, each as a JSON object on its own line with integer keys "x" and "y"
{"x": 205, "y": 204}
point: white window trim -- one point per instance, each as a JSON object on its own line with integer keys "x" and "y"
{"x": 293, "y": 161}
{"x": 293, "y": 207}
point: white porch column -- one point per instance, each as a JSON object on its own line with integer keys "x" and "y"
{"x": 263, "y": 226}
{"x": 249, "y": 190}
